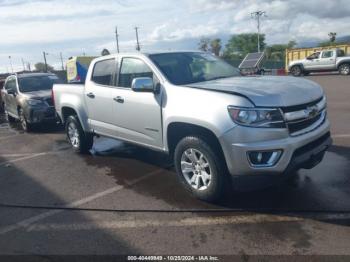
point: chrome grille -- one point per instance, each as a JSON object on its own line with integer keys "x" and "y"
{"x": 307, "y": 118}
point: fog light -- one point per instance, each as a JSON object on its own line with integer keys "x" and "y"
{"x": 264, "y": 158}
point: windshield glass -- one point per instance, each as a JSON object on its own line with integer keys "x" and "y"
{"x": 37, "y": 83}
{"x": 187, "y": 68}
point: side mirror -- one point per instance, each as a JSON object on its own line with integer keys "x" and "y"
{"x": 11, "y": 92}
{"x": 142, "y": 84}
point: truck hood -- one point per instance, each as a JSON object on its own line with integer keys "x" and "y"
{"x": 42, "y": 94}
{"x": 267, "y": 91}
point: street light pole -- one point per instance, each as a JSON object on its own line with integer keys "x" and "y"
{"x": 257, "y": 15}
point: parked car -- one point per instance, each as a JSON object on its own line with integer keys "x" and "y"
{"x": 321, "y": 61}
{"x": 27, "y": 97}
{"x": 2, "y": 81}
{"x": 216, "y": 124}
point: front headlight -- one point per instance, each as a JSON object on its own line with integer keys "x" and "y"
{"x": 35, "y": 102}
{"x": 257, "y": 117}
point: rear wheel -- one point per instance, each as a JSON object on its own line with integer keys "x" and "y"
{"x": 296, "y": 71}
{"x": 344, "y": 69}
{"x": 200, "y": 169}
{"x": 80, "y": 141}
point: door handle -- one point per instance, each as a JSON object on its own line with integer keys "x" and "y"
{"x": 119, "y": 99}
{"x": 91, "y": 95}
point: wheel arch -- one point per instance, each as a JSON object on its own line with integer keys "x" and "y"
{"x": 67, "y": 111}
{"x": 178, "y": 130}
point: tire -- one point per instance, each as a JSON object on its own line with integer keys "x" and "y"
{"x": 80, "y": 141}
{"x": 10, "y": 119}
{"x": 296, "y": 70}
{"x": 24, "y": 123}
{"x": 194, "y": 160}
{"x": 344, "y": 69}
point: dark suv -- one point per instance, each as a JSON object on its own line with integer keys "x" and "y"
{"x": 27, "y": 97}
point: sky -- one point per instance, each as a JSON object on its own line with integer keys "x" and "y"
{"x": 29, "y": 27}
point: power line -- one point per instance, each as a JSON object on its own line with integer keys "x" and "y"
{"x": 257, "y": 15}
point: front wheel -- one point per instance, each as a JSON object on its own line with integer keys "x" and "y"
{"x": 24, "y": 123}
{"x": 296, "y": 71}
{"x": 200, "y": 169}
{"x": 344, "y": 69}
{"x": 80, "y": 141}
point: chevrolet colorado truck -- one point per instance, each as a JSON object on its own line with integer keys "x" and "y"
{"x": 322, "y": 61}
{"x": 216, "y": 124}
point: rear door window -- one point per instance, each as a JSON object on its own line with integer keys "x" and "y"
{"x": 327, "y": 54}
{"x": 103, "y": 72}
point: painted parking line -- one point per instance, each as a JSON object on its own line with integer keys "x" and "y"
{"x": 29, "y": 221}
{"x": 341, "y": 136}
{"x": 22, "y": 158}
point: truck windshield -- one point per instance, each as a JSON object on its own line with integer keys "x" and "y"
{"x": 37, "y": 83}
{"x": 192, "y": 67}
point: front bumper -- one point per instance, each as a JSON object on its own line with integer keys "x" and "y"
{"x": 304, "y": 151}
{"x": 41, "y": 115}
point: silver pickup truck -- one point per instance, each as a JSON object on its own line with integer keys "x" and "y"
{"x": 322, "y": 61}
{"x": 217, "y": 125}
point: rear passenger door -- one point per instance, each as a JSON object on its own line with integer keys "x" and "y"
{"x": 327, "y": 60}
{"x": 137, "y": 115}
{"x": 98, "y": 97}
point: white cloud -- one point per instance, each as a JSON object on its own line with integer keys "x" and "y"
{"x": 30, "y": 26}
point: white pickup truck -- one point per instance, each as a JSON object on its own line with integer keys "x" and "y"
{"x": 215, "y": 123}
{"x": 321, "y": 61}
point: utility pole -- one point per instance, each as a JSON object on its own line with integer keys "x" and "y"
{"x": 24, "y": 68}
{"x": 28, "y": 65}
{"x": 11, "y": 64}
{"x": 257, "y": 15}
{"x": 45, "y": 61}
{"x": 62, "y": 61}
{"x": 137, "y": 39}
{"x": 117, "y": 38}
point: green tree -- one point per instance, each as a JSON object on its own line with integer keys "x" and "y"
{"x": 332, "y": 40}
{"x": 105, "y": 51}
{"x": 42, "y": 68}
{"x": 215, "y": 46}
{"x": 204, "y": 44}
{"x": 240, "y": 45}
{"x": 291, "y": 44}
{"x": 332, "y": 36}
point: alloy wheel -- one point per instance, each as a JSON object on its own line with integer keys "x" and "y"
{"x": 73, "y": 135}
{"x": 196, "y": 169}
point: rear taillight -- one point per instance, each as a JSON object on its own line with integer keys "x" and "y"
{"x": 53, "y": 97}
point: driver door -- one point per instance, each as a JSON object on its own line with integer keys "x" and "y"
{"x": 137, "y": 115}
{"x": 312, "y": 61}
{"x": 10, "y": 99}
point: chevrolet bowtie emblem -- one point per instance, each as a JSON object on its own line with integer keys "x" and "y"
{"x": 311, "y": 111}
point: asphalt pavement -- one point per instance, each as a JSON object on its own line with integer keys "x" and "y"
{"x": 123, "y": 199}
